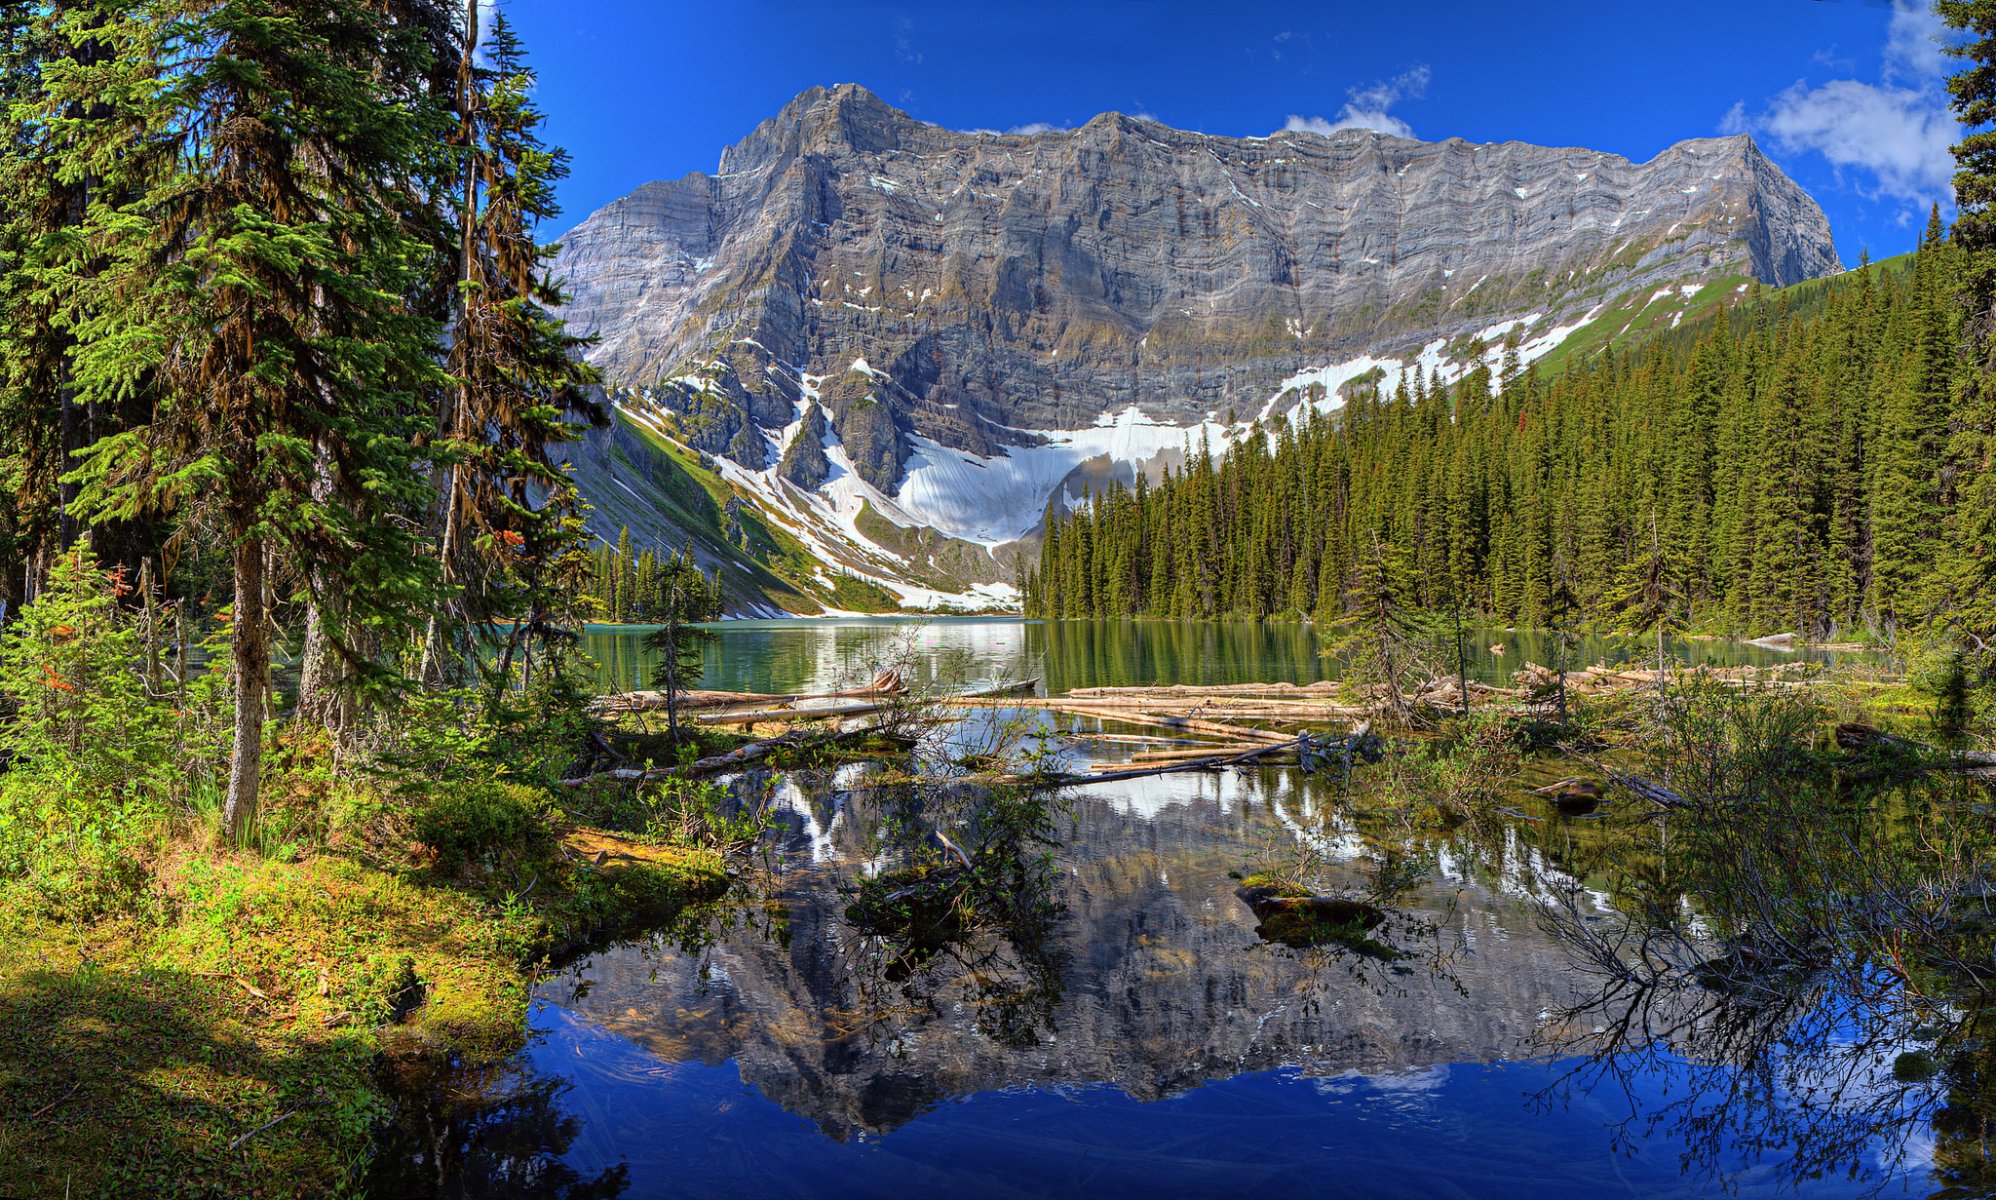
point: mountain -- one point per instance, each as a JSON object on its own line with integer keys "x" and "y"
{"x": 896, "y": 342}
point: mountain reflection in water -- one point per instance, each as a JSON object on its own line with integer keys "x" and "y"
{"x": 1487, "y": 1038}
{"x": 1176, "y": 1053}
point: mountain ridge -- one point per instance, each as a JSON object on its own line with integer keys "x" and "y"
{"x": 973, "y": 324}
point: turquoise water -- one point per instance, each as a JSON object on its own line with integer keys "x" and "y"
{"x": 821, "y": 655}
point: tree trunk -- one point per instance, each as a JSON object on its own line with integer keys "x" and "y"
{"x": 249, "y": 649}
{"x": 1461, "y": 664}
{"x": 322, "y": 675}
{"x": 670, "y": 677}
{"x": 320, "y": 678}
{"x": 1562, "y": 679}
{"x": 453, "y": 419}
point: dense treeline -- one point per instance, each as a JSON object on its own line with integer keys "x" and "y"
{"x": 1816, "y": 461}
{"x": 276, "y": 341}
{"x": 640, "y": 587}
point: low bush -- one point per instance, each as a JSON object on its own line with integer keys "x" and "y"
{"x": 483, "y": 822}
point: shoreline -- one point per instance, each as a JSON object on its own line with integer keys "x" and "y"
{"x": 236, "y": 1030}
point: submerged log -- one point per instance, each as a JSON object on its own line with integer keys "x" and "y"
{"x": 1854, "y": 735}
{"x": 1649, "y": 790}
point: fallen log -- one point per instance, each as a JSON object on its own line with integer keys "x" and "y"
{"x": 1211, "y": 714}
{"x": 1169, "y": 768}
{"x": 759, "y": 716}
{"x": 618, "y": 703}
{"x": 1648, "y": 789}
{"x": 1214, "y": 728}
{"x": 1129, "y": 716}
{"x": 885, "y": 683}
{"x": 1853, "y": 735}
{"x": 1180, "y": 690}
{"x": 1132, "y": 739}
{"x": 861, "y": 707}
{"x": 720, "y": 764}
{"x": 1152, "y": 756}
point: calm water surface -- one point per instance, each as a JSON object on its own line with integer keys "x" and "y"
{"x": 813, "y": 655}
{"x": 1146, "y": 1041}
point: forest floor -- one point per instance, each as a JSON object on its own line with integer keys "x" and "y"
{"x": 222, "y": 1035}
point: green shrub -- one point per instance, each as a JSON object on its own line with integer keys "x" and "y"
{"x": 94, "y": 762}
{"x": 483, "y": 821}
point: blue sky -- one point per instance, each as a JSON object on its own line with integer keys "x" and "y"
{"x": 1847, "y": 96}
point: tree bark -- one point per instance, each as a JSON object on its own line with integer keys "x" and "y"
{"x": 321, "y": 672}
{"x": 453, "y": 421}
{"x": 249, "y": 650}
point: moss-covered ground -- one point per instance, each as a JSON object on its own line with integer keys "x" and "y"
{"x": 219, "y": 1036}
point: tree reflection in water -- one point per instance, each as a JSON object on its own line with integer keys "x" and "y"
{"x": 965, "y": 904}
{"x": 501, "y": 1131}
{"x": 1797, "y": 975}
{"x": 495, "y": 1134}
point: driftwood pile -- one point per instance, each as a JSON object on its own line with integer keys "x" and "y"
{"x": 1535, "y": 681}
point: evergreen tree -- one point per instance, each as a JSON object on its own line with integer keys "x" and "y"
{"x": 685, "y": 597}
{"x": 518, "y": 384}
{"x": 254, "y": 283}
{"x": 1965, "y": 592}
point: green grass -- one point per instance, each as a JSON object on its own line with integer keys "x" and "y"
{"x": 676, "y": 489}
{"x": 141, "y": 1053}
{"x": 861, "y": 595}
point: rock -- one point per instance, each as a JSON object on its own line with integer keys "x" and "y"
{"x": 1776, "y": 641}
{"x": 1573, "y": 797}
{"x": 804, "y": 462}
{"x": 1576, "y": 806}
{"x": 935, "y": 287}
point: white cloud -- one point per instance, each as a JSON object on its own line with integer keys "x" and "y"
{"x": 1894, "y": 136}
{"x": 1033, "y": 127}
{"x": 1915, "y": 49}
{"x": 1897, "y": 134}
{"x": 1369, "y": 107}
{"x": 904, "y": 42}
{"x": 1900, "y": 136}
{"x": 1736, "y": 120}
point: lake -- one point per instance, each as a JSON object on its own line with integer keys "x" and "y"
{"x": 818, "y": 655}
{"x": 1140, "y": 1036}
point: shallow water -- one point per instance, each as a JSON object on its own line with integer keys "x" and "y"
{"x": 1146, "y": 1040}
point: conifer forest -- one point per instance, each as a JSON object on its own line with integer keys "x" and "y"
{"x": 985, "y": 644}
{"x": 1818, "y": 462}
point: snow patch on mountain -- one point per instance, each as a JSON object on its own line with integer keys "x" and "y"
{"x": 1001, "y": 498}
{"x": 1433, "y": 362}
{"x": 827, "y": 521}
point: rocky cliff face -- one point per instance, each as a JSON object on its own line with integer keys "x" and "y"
{"x": 969, "y": 312}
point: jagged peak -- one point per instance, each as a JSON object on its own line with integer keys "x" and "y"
{"x": 817, "y": 117}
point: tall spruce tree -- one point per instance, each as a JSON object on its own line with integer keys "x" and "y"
{"x": 518, "y": 386}
{"x": 258, "y": 283}
{"x": 686, "y": 597}
{"x": 1966, "y": 593}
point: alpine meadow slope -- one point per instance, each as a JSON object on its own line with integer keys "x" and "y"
{"x": 872, "y": 348}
